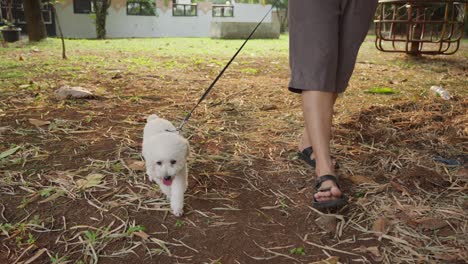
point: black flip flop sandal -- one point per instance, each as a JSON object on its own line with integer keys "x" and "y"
{"x": 305, "y": 156}
{"x": 331, "y": 204}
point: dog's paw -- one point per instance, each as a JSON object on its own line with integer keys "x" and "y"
{"x": 178, "y": 211}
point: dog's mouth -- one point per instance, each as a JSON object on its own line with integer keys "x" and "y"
{"x": 167, "y": 180}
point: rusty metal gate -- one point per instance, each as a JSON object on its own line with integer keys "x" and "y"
{"x": 419, "y": 27}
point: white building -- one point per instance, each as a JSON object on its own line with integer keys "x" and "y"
{"x": 156, "y": 18}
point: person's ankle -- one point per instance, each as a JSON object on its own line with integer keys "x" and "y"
{"x": 325, "y": 169}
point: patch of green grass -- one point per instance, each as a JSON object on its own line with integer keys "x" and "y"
{"x": 56, "y": 259}
{"x": 283, "y": 204}
{"x": 117, "y": 167}
{"x": 5, "y": 228}
{"x": 381, "y": 90}
{"x": 31, "y": 239}
{"x": 198, "y": 61}
{"x": 46, "y": 192}
{"x": 170, "y": 64}
{"x": 360, "y": 194}
{"x": 137, "y": 228}
{"x": 142, "y": 61}
{"x": 297, "y": 251}
{"x": 35, "y": 220}
{"x": 179, "y": 223}
{"x": 165, "y": 46}
{"x": 9, "y": 64}
{"x": 250, "y": 70}
{"x": 68, "y": 68}
{"x": 9, "y": 152}
{"x": 135, "y": 99}
{"x": 91, "y": 236}
{"x": 13, "y": 74}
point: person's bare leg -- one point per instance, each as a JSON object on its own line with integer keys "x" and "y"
{"x": 305, "y": 142}
{"x": 317, "y": 108}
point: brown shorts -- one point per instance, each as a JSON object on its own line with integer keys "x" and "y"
{"x": 324, "y": 39}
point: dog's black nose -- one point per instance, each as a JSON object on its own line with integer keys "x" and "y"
{"x": 167, "y": 178}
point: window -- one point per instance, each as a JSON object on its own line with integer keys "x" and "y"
{"x": 185, "y": 9}
{"x": 223, "y": 10}
{"x": 82, "y": 7}
{"x": 47, "y": 16}
{"x": 141, "y": 8}
{"x": 16, "y": 10}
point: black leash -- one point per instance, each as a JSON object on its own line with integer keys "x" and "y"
{"x": 187, "y": 117}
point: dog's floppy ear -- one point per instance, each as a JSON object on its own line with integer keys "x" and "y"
{"x": 151, "y": 117}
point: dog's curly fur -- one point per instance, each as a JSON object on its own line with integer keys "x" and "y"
{"x": 165, "y": 153}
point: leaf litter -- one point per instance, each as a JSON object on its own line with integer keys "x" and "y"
{"x": 79, "y": 181}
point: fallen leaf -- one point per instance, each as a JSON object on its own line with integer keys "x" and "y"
{"x": 53, "y": 197}
{"x": 463, "y": 173}
{"x": 90, "y": 181}
{"x": 449, "y": 257}
{"x": 405, "y": 218}
{"x": 4, "y": 129}
{"x": 268, "y": 107}
{"x": 374, "y": 251}
{"x": 379, "y": 226}
{"x": 9, "y": 152}
{"x": 38, "y": 122}
{"x": 21, "y": 58}
{"x": 360, "y": 179}
{"x": 399, "y": 187}
{"x": 141, "y": 234}
{"x": 430, "y": 223}
{"x": 327, "y": 223}
{"x": 136, "y": 165}
{"x": 330, "y": 260}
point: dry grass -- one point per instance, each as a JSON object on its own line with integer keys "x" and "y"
{"x": 73, "y": 188}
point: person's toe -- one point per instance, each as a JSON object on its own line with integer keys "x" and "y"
{"x": 332, "y": 194}
{"x": 323, "y": 196}
{"x": 335, "y": 192}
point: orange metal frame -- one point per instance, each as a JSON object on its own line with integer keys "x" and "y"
{"x": 420, "y": 27}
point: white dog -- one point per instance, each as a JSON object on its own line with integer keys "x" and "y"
{"x": 165, "y": 153}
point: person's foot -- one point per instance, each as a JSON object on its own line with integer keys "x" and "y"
{"x": 327, "y": 193}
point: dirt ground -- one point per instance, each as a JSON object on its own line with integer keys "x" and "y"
{"x": 73, "y": 189}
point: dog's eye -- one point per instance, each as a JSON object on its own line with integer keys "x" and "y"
{"x": 159, "y": 163}
{"x": 173, "y": 162}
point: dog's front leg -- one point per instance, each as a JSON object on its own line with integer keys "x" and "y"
{"x": 177, "y": 197}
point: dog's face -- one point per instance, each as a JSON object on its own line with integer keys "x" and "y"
{"x": 166, "y": 167}
{"x": 166, "y": 156}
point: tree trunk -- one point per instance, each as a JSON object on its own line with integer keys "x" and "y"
{"x": 35, "y": 24}
{"x": 101, "y": 6}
